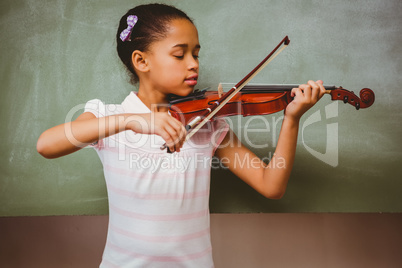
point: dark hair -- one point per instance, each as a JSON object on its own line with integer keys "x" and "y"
{"x": 151, "y": 26}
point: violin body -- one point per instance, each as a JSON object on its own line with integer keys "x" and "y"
{"x": 241, "y": 104}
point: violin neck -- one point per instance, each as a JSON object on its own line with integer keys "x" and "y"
{"x": 276, "y": 88}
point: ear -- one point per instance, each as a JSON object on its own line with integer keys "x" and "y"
{"x": 139, "y": 61}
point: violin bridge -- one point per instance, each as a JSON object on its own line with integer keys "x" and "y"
{"x": 220, "y": 90}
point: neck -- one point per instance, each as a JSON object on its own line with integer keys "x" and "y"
{"x": 153, "y": 99}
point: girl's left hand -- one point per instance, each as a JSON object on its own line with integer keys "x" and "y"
{"x": 305, "y": 96}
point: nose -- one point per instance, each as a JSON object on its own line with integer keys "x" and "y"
{"x": 193, "y": 64}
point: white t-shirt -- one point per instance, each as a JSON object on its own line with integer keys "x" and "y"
{"x": 158, "y": 202}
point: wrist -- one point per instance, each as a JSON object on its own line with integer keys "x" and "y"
{"x": 292, "y": 120}
{"x": 137, "y": 123}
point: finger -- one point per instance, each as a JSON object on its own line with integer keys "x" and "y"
{"x": 178, "y": 143}
{"x": 179, "y": 128}
{"x": 315, "y": 90}
{"x": 296, "y": 92}
{"x": 175, "y": 149}
{"x": 181, "y": 133}
{"x": 293, "y": 92}
{"x": 302, "y": 86}
{"x": 306, "y": 90}
{"x": 322, "y": 88}
{"x": 180, "y": 122}
{"x": 174, "y": 133}
{"x": 168, "y": 134}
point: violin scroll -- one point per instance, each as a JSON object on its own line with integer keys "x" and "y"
{"x": 366, "y": 99}
{"x": 367, "y": 96}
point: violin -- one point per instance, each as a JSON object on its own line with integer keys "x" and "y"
{"x": 196, "y": 109}
{"x": 256, "y": 100}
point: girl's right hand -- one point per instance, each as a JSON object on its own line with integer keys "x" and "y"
{"x": 159, "y": 123}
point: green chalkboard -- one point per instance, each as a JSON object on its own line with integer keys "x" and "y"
{"x": 56, "y": 55}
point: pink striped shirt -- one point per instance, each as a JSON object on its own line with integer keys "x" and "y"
{"x": 158, "y": 202}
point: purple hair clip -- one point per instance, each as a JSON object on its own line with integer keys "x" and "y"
{"x": 126, "y": 33}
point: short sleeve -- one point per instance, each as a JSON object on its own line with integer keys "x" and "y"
{"x": 220, "y": 129}
{"x": 96, "y": 107}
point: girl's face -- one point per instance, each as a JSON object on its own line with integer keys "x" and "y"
{"x": 173, "y": 61}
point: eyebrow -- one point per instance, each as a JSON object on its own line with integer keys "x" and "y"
{"x": 186, "y": 45}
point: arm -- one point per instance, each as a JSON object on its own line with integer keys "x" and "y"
{"x": 87, "y": 128}
{"x": 271, "y": 180}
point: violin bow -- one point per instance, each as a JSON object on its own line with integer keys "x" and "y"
{"x": 210, "y": 111}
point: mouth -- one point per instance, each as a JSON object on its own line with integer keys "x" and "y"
{"x": 191, "y": 80}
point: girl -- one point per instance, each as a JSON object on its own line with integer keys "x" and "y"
{"x": 158, "y": 202}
